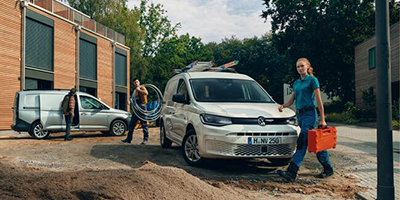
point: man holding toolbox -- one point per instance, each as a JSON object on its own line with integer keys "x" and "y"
{"x": 307, "y": 95}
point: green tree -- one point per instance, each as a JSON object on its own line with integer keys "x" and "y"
{"x": 155, "y": 26}
{"x": 324, "y": 31}
{"x": 175, "y": 53}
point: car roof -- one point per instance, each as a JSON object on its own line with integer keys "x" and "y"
{"x": 195, "y": 75}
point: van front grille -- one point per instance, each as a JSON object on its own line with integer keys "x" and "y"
{"x": 267, "y": 134}
{"x": 246, "y": 150}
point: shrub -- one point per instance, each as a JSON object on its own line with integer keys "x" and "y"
{"x": 336, "y": 106}
{"x": 396, "y": 125}
{"x": 396, "y": 110}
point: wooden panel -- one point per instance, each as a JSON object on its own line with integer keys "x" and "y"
{"x": 10, "y": 54}
{"x": 64, "y": 55}
{"x": 365, "y": 77}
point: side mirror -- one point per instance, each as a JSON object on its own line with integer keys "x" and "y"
{"x": 180, "y": 98}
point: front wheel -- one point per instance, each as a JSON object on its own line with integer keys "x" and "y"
{"x": 190, "y": 149}
{"x": 164, "y": 141}
{"x": 118, "y": 128}
{"x": 38, "y": 132}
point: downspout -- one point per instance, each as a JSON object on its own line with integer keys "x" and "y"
{"x": 78, "y": 35}
{"x": 113, "y": 73}
{"x": 24, "y": 5}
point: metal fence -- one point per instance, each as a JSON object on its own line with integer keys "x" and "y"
{"x": 78, "y": 17}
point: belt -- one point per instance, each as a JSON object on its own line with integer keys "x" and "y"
{"x": 305, "y": 109}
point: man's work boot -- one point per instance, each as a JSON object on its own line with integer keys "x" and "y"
{"x": 68, "y": 139}
{"x": 291, "y": 173}
{"x": 126, "y": 141}
{"x": 328, "y": 171}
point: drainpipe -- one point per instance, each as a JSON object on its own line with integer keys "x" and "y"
{"x": 78, "y": 34}
{"x": 24, "y": 5}
{"x": 113, "y": 73}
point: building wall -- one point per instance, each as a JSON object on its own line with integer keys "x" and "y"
{"x": 104, "y": 71}
{"x": 64, "y": 54}
{"x": 64, "y": 58}
{"x": 10, "y": 62}
{"x": 365, "y": 77}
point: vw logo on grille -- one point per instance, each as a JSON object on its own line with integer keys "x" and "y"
{"x": 261, "y": 121}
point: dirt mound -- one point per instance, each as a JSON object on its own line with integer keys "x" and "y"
{"x": 147, "y": 182}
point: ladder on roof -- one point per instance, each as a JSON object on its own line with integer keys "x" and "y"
{"x": 198, "y": 66}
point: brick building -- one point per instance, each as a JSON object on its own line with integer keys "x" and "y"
{"x": 365, "y": 66}
{"x": 45, "y": 44}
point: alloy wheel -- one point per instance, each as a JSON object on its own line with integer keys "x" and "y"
{"x": 191, "y": 148}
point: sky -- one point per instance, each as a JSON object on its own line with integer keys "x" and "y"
{"x": 214, "y": 20}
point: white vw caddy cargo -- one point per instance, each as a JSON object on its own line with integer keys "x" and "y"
{"x": 225, "y": 115}
{"x": 39, "y": 113}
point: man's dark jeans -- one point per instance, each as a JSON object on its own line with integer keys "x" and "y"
{"x": 68, "y": 122}
{"x": 132, "y": 125}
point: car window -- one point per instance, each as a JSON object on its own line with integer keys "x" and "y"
{"x": 182, "y": 89}
{"x": 90, "y": 103}
{"x": 228, "y": 90}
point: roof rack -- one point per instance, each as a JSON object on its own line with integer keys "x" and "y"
{"x": 197, "y": 66}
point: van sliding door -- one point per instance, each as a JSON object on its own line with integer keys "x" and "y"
{"x": 51, "y": 115}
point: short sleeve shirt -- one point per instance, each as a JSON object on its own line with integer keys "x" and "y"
{"x": 304, "y": 92}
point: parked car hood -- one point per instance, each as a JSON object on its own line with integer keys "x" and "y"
{"x": 246, "y": 110}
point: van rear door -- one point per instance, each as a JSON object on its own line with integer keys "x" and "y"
{"x": 15, "y": 109}
{"x": 51, "y": 115}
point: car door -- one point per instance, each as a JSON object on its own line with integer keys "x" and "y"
{"x": 93, "y": 114}
{"x": 51, "y": 116}
{"x": 179, "y": 115}
{"x": 169, "y": 110}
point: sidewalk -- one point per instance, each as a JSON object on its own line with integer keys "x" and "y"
{"x": 360, "y": 144}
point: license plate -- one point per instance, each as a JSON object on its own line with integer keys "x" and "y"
{"x": 264, "y": 140}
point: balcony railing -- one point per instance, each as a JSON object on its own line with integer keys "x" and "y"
{"x": 78, "y": 17}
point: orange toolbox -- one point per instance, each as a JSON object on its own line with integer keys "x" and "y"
{"x": 321, "y": 139}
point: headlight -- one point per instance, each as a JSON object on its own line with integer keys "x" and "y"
{"x": 215, "y": 120}
{"x": 293, "y": 121}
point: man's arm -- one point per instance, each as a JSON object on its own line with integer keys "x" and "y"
{"x": 142, "y": 90}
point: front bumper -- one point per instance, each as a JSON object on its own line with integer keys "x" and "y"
{"x": 233, "y": 141}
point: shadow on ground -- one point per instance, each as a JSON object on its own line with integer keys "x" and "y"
{"x": 135, "y": 155}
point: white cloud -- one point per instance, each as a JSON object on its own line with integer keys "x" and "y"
{"x": 213, "y": 20}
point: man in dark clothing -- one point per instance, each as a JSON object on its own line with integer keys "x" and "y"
{"x": 69, "y": 115}
{"x": 140, "y": 96}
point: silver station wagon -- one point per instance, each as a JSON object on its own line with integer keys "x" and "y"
{"x": 39, "y": 112}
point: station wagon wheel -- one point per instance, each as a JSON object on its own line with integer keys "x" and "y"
{"x": 118, "y": 128}
{"x": 164, "y": 141}
{"x": 37, "y": 131}
{"x": 190, "y": 149}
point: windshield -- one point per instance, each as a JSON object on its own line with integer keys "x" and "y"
{"x": 228, "y": 90}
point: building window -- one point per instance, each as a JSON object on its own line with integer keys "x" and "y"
{"x": 87, "y": 59}
{"x": 88, "y": 64}
{"x": 89, "y": 90}
{"x": 39, "y": 50}
{"x": 37, "y": 84}
{"x": 120, "y": 69}
{"x": 372, "y": 60}
{"x": 120, "y": 101}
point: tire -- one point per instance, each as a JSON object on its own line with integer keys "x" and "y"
{"x": 37, "y": 131}
{"x": 164, "y": 141}
{"x": 280, "y": 161}
{"x": 190, "y": 149}
{"x": 118, "y": 127}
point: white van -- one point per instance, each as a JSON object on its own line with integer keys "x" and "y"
{"x": 225, "y": 115}
{"x": 39, "y": 113}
